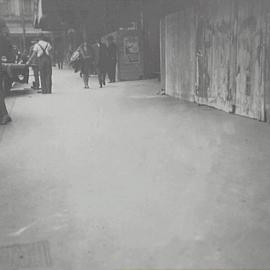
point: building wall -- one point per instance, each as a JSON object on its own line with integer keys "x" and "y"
{"x": 162, "y": 40}
{"x": 18, "y": 15}
{"x": 151, "y": 37}
{"x": 267, "y": 70}
{"x": 216, "y": 54}
{"x": 9, "y": 9}
{"x": 179, "y": 60}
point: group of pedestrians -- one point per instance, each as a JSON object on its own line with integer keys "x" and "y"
{"x": 39, "y": 60}
{"x": 98, "y": 59}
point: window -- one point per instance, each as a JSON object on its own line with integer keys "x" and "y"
{"x": 28, "y": 9}
{"x": 5, "y": 7}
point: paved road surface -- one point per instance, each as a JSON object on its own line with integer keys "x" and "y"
{"x": 121, "y": 178}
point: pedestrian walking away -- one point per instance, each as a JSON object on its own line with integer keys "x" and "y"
{"x": 112, "y": 59}
{"x": 42, "y": 50}
{"x": 59, "y": 55}
{"x": 102, "y": 63}
{"x": 86, "y": 55}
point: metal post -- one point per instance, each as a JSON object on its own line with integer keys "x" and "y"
{"x": 23, "y": 25}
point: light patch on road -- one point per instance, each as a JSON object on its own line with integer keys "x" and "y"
{"x": 58, "y": 218}
{"x": 146, "y": 97}
{"x": 22, "y": 230}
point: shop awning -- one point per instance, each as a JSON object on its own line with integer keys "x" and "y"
{"x": 28, "y": 31}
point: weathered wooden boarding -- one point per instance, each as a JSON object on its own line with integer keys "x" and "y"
{"x": 216, "y": 52}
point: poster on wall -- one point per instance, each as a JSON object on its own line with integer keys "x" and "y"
{"x": 131, "y": 49}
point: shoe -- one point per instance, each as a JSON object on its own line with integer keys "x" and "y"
{"x": 9, "y": 119}
{"x": 104, "y": 83}
{"x": 6, "y": 119}
{"x": 86, "y": 87}
{"x": 40, "y": 92}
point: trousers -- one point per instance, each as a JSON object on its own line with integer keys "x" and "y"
{"x": 45, "y": 69}
{"x": 101, "y": 75}
{"x": 112, "y": 70}
{"x": 36, "y": 76}
{"x": 3, "y": 108}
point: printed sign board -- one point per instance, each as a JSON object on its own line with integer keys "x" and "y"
{"x": 131, "y": 49}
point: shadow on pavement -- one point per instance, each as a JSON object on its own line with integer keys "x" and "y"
{"x": 20, "y": 92}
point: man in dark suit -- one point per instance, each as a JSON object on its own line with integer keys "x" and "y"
{"x": 112, "y": 59}
{"x": 4, "y": 117}
{"x": 102, "y": 63}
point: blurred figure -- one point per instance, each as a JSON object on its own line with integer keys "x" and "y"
{"x": 15, "y": 55}
{"x": 112, "y": 59}
{"x": 23, "y": 60}
{"x": 102, "y": 63}
{"x": 35, "y": 69}
{"x": 42, "y": 50}
{"x": 4, "y": 117}
{"x": 75, "y": 60}
{"x": 95, "y": 48}
{"x": 59, "y": 57}
{"x": 4, "y": 46}
{"x": 86, "y": 55}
